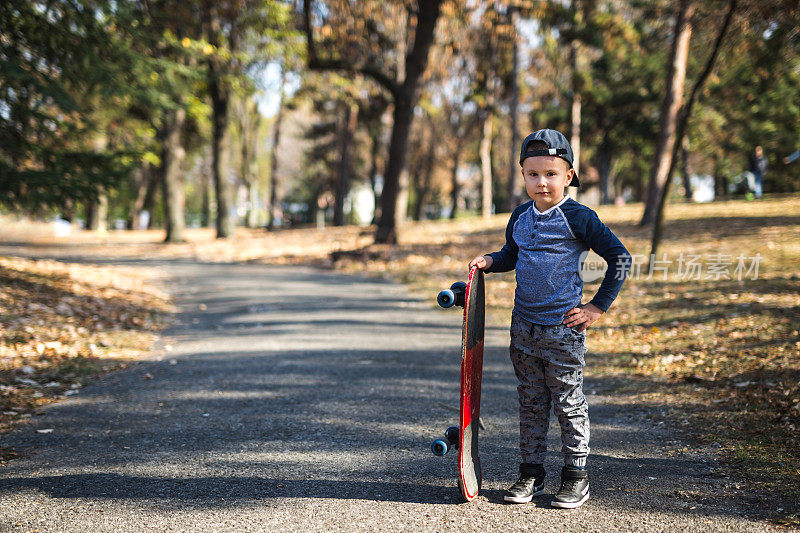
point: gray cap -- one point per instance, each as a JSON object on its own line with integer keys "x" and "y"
{"x": 557, "y": 145}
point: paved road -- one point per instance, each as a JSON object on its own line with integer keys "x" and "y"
{"x": 294, "y": 399}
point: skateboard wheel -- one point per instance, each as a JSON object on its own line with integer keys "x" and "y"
{"x": 459, "y": 286}
{"x": 446, "y": 298}
{"x": 452, "y": 436}
{"x": 439, "y": 447}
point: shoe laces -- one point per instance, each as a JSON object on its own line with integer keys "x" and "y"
{"x": 523, "y": 483}
{"x": 569, "y": 485}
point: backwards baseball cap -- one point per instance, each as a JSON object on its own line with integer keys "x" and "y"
{"x": 557, "y": 145}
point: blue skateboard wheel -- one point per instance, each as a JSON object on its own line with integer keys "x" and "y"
{"x": 446, "y": 298}
{"x": 439, "y": 447}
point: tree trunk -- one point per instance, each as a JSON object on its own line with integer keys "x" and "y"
{"x": 416, "y": 173}
{"x": 403, "y": 88}
{"x": 720, "y": 181}
{"x": 575, "y": 89}
{"x": 375, "y": 134}
{"x": 638, "y": 189}
{"x": 513, "y": 167}
{"x": 427, "y": 174}
{"x": 220, "y": 98}
{"x": 486, "y": 165}
{"x": 392, "y": 214}
{"x": 575, "y": 112}
{"x": 249, "y": 122}
{"x": 343, "y": 183}
{"x": 687, "y": 184}
{"x": 142, "y": 178}
{"x": 205, "y": 184}
{"x": 658, "y": 222}
{"x": 219, "y": 155}
{"x": 90, "y": 212}
{"x": 274, "y": 184}
{"x": 604, "y": 168}
{"x": 405, "y": 99}
{"x": 670, "y": 106}
{"x": 252, "y": 201}
{"x": 97, "y": 210}
{"x": 172, "y": 156}
{"x": 97, "y": 213}
{"x": 455, "y": 188}
{"x": 151, "y": 197}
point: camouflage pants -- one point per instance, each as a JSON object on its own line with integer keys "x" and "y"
{"x": 548, "y": 362}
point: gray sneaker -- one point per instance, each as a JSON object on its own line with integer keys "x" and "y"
{"x": 529, "y": 484}
{"x": 574, "y": 488}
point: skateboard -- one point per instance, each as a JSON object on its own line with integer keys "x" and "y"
{"x": 464, "y": 437}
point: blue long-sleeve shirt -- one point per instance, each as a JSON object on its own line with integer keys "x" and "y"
{"x": 547, "y": 251}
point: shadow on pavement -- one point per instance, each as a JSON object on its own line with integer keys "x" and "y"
{"x": 283, "y": 402}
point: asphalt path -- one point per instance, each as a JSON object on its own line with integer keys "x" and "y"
{"x": 293, "y": 399}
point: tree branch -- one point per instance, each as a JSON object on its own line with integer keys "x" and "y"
{"x": 315, "y": 63}
{"x": 701, "y": 80}
{"x": 686, "y": 111}
{"x": 685, "y": 114}
{"x": 427, "y": 16}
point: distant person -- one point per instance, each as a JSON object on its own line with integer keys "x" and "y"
{"x": 791, "y": 157}
{"x": 758, "y": 166}
{"x": 546, "y": 240}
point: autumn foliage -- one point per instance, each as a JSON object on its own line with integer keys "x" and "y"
{"x": 62, "y": 324}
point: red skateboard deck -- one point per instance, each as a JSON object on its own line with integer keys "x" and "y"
{"x": 469, "y": 462}
{"x": 471, "y": 296}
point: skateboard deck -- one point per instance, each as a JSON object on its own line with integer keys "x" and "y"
{"x": 465, "y": 436}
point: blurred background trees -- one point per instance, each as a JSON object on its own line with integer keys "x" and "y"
{"x": 157, "y": 113}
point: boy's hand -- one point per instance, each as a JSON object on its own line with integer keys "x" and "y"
{"x": 482, "y": 261}
{"x": 585, "y": 316}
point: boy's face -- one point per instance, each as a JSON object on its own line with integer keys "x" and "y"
{"x": 545, "y": 179}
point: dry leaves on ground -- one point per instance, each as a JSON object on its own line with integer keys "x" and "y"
{"x": 722, "y": 353}
{"x": 61, "y": 324}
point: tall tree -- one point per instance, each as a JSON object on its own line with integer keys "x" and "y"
{"x": 273, "y": 202}
{"x": 685, "y": 115}
{"x": 513, "y": 167}
{"x": 668, "y": 123}
{"x": 52, "y": 98}
{"x": 575, "y": 85}
{"x": 373, "y": 116}
{"x": 402, "y": 85}
{"x": 248, "y": 122}
{"x": 486, "y": 163}
{"x": 220, "y": 93}
{"x": 488, "y": 40}
{"x": 164, "y": 32}
{"x": 240, "y": 35}
{"x": 461, "y": 125}
{"x": 422, "y": 160}
{"x": 172, "y": 174}
{"x": 348, "y": 130}
{"x": 621, "y": 90}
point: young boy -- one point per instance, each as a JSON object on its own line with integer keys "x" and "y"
{"x": 546, "y": 241}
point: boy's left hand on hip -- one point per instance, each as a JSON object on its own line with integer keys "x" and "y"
{"x": 583, "y": 316}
